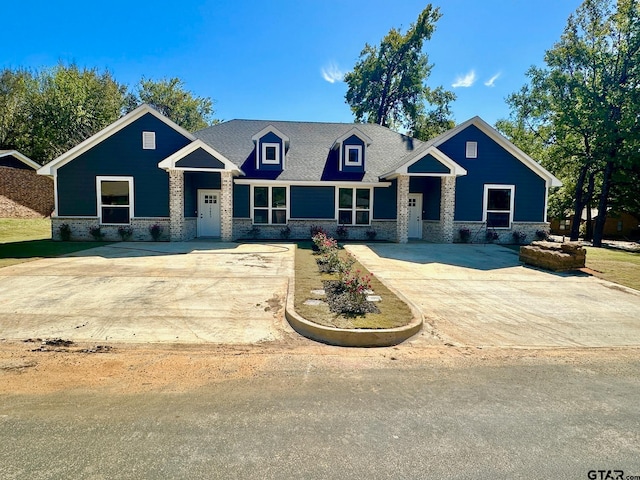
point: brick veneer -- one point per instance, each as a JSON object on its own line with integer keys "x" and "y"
{"x": 25, "y": 194}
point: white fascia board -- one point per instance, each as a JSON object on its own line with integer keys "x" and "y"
{"x": 247, "y": 181}
{"x": 270, "y": 129}
{"x": 549, "y": 178}
{"x": 353, "y": 131}
{"x": 454, "y": 169}
{"x": 105, "y": 133}
{"x": 23, "y": 158}
{"x": 169, "y": 163}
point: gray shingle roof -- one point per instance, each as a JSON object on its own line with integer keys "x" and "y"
{"x": 309, "y": 146}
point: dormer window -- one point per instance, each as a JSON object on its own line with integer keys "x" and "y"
{"x": 271, "y": 153}
{"x": 353, "y": 156}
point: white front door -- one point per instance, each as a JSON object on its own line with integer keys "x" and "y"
{"x": 415, "y": 215}
{"x": 208, "y": 213}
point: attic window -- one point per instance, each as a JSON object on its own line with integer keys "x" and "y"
{"x": 353, "y": 156}
{"x": 472, "y": 150}
{"x": 148, "y": 140}
{"x": 271, "y": 153}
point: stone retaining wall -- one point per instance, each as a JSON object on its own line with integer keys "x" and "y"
{"x": 554, "y": 256}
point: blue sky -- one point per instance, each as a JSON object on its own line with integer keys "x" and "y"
{"x": 281, "y": 59}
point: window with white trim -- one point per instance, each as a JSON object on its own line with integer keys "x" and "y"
{"x": 115, "y": 200}
{"x": 353, "y": 156}
{"x": 471, "y": 150}
{"x": 498, "y": 205}
{"x": 269, "y": 205}
{"x": 271, "y": 153}
{"x": 565, "y": 224}
{"x": 148, "y": 140}
{"x": 354, "y": 206}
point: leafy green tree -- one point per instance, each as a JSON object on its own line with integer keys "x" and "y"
{"x": 585, "y": 105}
{"x": 14, "y": 108}
{"x": 388, "y": 83}
{"x": 170, "y": 98}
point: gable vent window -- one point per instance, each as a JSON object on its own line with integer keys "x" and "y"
{"x": 472, "y": 150}
{"x": 148, "y": 140}
{"x": 271, "y": 153}
{"x": 354, "y": 156}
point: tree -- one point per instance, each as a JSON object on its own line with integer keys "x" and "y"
{"x": 388, "y": 83}
{"x": 170, "y": 98}
{"x": 585, "y": 105}
{"x": 14, "y": 108}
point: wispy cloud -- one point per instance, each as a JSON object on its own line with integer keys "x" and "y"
{"x": 331, "y": 73}
{"x": 465, "y": 80}
{"x": 492, "y": 81}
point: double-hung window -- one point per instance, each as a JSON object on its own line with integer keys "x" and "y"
{"x": 354, "y": 206}
{"x": 270, "y": 205}
{"x": 498, "y": 205}
{"x": 115, "y": 199}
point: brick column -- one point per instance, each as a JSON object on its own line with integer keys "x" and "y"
{"x": 176, "y": 205}
{"x": 447, "y": 208}
{"x": 226, "y": 206}
{"x": 402, "y": 215}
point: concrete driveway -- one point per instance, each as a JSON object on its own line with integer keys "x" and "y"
{"x": 481, "y": 295}
{"x": 191, "y": 292}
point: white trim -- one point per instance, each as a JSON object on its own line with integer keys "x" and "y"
{"x": 485, "y": 201}
{"x": 55, "y": 195}
{"x": 353, "y": 131}
{"x": 550, "y": 179}
{"x": 269, "y": 206}
{"x": 263, "y": 157}
{"x": 454, "y": 169}
{"x": 248, "y": 181}
{"x": 105, "y": 133}
{"x": 169, "y": 163}
{"x": 148, "y": 140}
{"x": 19, "y": 156}
{"x": 122, "y": 178}
{"x": 269, "y": 129}
{"x": 358, "y": 162}
{"x": 353, "y": 208}
{"x": 471, "y": 149}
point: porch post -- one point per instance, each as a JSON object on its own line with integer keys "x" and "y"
{"x": 447, "y": 208}
{"x": 226, "y": 206}
{"x": 402, "y": 210}
{"x": 176, "y": 205}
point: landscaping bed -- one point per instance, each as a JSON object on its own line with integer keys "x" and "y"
{"x": 318, "y": 293}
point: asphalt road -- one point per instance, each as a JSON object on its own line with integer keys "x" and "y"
{"x": 537, "y": 419}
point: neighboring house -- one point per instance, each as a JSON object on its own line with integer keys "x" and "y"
{"x": 229, "y": 178}
{"x": 616, "y": 225}
{"x": 23, "y": 194}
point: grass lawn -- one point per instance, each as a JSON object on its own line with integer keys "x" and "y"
{"x": 393, "y": 311}
{"x": 615, "y": 265}
{"x": 22, "y": 240}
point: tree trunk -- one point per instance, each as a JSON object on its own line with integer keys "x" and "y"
{"x": 602, "y": 205}
{"x": 589, "y": 198}
{"x": 579, "y": 202}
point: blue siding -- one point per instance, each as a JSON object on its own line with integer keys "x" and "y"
{"x": 385, "y": 202}
{"x": 353, "y": 140}
{"x": 11, "y": 162}
{"x": 270, "y": 138}
{"x": 428, "y": 164}
{"x": 312, "y": 202}
{"x": 430, "y": 188}
{"x": 494, "y": 165}
{"x": 122, "y": 155}
{"x": 241, "y": 201}
{"x": 200, "y": 159}
{"x": 194, "y": 181}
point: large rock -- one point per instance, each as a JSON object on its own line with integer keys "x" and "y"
{"x": 554, "y": 256}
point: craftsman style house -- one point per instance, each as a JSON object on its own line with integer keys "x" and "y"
{"x": 272, "y": 178}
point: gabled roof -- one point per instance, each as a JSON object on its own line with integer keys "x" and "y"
{"x": 272, "y": 129}
{"x": 403, "y": 167}
{"x": 550, "y": 179}
{"x": 310, "y": 153}
{"x": 354, "y": 131}
{"x": 105, "y": 133}
{"x": 169, "y": 163}
{"x": 19, "y": 156}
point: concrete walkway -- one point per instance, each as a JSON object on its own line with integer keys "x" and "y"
{"x": 481, "y": 295}
{"x": 191, "y": 292}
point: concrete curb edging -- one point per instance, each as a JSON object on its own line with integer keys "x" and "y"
{"x": 354, "y": 337}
